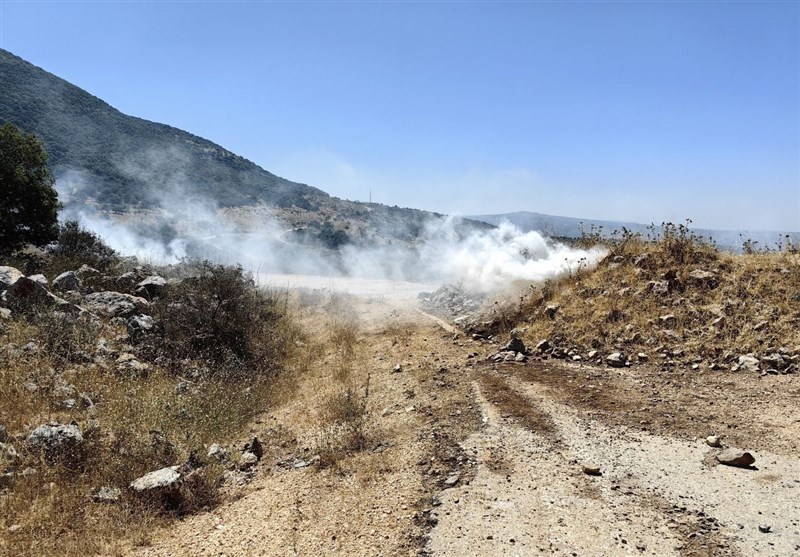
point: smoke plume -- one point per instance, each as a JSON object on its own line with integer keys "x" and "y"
{"x": 186, "y": 225}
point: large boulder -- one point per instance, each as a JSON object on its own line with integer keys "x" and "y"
{"x": 128, "y": 281}
{"x": 91, "y": 279}
{"x": 8, "y": 276}
{"x": 26, "y": 294}
{"x": 115, "y": 304}
{"x": 151, "y": 287}
{"x": 68, "y": 281}
{"x": 56, "y": 440}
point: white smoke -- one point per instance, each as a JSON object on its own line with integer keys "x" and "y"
{"x": 492, "y": 260}
{"x": 185, "y": 225}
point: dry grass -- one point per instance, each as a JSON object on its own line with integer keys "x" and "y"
{"x": 336, "y": 415}
{"x": 643, "y": 298}
{"x": 164, "y": 412}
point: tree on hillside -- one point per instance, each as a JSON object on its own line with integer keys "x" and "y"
{"x": 28, "y": 201}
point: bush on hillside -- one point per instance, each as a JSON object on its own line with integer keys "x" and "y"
{"x": 222, "y": 318}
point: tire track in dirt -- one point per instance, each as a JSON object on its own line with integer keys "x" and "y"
{"x": 656, "y": 495}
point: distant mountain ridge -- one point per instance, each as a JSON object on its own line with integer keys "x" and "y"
{"x": 571, "y": 227}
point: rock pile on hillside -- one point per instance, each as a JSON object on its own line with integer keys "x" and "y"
{"x": 85, "y": 290}
{"x": 452, "y": 301}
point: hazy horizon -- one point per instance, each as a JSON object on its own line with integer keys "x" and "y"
{"x": 609, "y": 111}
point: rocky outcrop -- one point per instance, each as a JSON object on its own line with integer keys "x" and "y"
{"x": 67, "y": 282}
{"x": 8, "y": 276}
{"x": 151, "y": 287}
{"x": 26, "y": 294}
{"x": 115, "y": 304}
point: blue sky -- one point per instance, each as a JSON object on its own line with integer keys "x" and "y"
{"x": 643, "y": 111}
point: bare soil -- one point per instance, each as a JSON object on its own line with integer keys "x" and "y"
{"x": 473, "y": 458}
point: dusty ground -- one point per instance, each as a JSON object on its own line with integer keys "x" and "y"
{"x": 472, "y": 458}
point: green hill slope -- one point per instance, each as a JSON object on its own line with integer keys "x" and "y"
{"x": 125, "y": 161}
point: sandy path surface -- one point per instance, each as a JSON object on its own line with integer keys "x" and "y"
{"x": 471, "y": 458}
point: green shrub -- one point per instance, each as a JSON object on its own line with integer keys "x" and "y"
{"x": 223, "y": 319}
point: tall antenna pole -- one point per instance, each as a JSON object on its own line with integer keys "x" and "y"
{"x": 370, "y": 195}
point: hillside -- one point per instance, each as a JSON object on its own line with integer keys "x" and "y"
{"x": 112, "y": 162}
{"x": 122, "y": 158}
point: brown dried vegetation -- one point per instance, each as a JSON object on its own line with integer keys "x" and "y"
{"x": 220, "y": 357}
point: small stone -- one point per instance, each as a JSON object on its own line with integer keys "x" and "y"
{"x": 8, "y": 452}
{"x": 106, "y": 494}
{"x": 14, "y": 528}
{"x": 764, "y": 528}
{"x": 217, "y": 452}
{"x": 551, "y": 310}
{"x": 182, "y": 388}
{"x": 67, "y": 282}
{"x": 616, "y": 359}
{"x": 736, "y": 457}
{"x": 254, "y": 446}
{"x": 163, "y": 479}
{"x": 452, "y": 480}
{"x": 590, "y": 469}
{"x": 514, "y": 345}
{"x": 703, "y": 278}
{"x": 397, "y": 368}
{"x": 56, "y": 440}
{"x": 543, "y": 345}
{"x": 712, "y": 441}
{"x": 749, "y": 362}
{"x": 247, "y": 460}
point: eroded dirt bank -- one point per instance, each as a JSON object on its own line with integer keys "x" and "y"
{"x": 465, "y": 457}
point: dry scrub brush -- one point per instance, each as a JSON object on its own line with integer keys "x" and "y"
{"x": 650, "y": 294}
{"x": 211, "y": 365}
{"x": 337, "y": 391}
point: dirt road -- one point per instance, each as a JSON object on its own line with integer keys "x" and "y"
{"x": 472, "y": 458}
